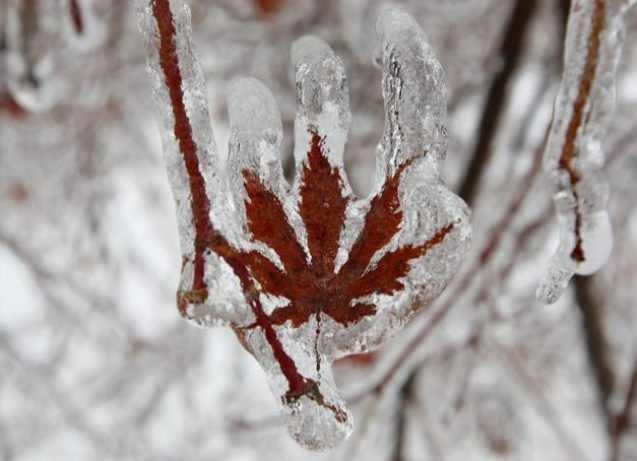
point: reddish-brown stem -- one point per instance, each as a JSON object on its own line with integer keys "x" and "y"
{"x": 200, "y": 204}
{"x": 297, "y": 384}
{"x": 569, "y": 150}
{"x": 76, "y": 16}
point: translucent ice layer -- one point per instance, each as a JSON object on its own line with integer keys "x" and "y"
{"x": 309, "y": 272}
{"x": 574, "y": 156}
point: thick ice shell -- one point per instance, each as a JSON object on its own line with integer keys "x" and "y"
{"x": 307, "y": 273}
{"x": 574, "y": 155}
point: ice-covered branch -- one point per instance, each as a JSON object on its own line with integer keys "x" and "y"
{"x": 187, "y": 137}
{"x": 574, "y": 157}
{"x": 308, "y": 273}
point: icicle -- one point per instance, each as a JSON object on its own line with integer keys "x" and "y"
{"x": 574, "y": 156}
{"x": 323, "y": 98}
{"x": 414, "y": 90}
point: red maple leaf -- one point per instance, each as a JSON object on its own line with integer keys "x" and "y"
{"x": 314, "y": 288}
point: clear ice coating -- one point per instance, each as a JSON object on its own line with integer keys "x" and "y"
{"x": 574, "y": 156}
{"x": 308, "y": 272}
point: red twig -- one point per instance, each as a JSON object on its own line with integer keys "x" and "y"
{"x": 598, "y": 24}
{"x": 76, "y": 16}
{"x": 200, "y": 203}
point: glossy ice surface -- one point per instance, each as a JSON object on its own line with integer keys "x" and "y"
{"x": 308, "y": 272}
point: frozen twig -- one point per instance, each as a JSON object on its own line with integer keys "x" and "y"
{"x": 574, "y": 157}
{"x": 77, "y": 19}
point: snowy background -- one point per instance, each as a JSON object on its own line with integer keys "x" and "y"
{"x": 95, "y": 361}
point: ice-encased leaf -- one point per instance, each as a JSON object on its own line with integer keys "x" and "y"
{"x": 574, "y": 156}
{"x": 307, "y": 273}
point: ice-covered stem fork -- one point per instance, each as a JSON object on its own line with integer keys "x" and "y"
{"x": 307, "y": 273}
